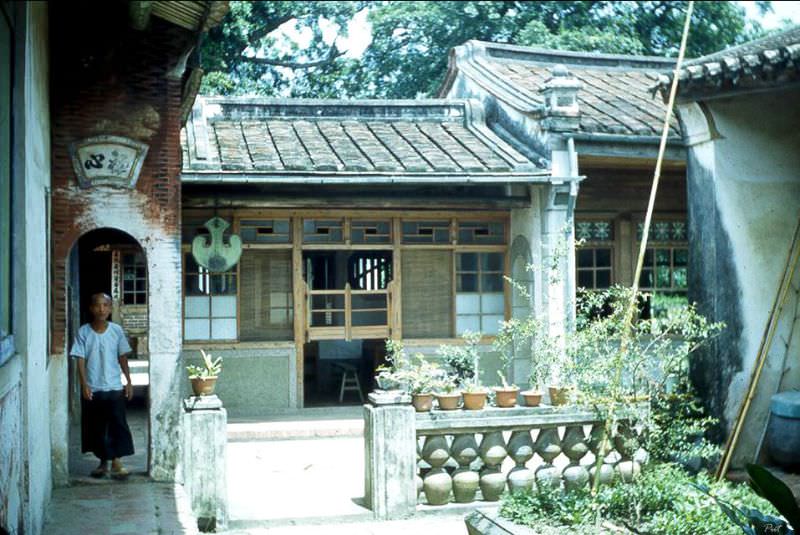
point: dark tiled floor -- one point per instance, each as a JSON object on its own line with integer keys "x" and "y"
{"x": 120, "y": 508}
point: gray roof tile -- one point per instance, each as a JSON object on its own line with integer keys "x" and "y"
{"x": 771, "y": 61}
{"x": 258, "y": 137}
{"x": 615, "y": 95}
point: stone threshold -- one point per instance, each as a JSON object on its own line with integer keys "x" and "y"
{"x": 299, "y": 424}
{"x": 451, "y": 510}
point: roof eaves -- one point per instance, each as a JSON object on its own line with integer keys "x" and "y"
{"x": 342, "y": 178}
{"x": 772, "y": 61}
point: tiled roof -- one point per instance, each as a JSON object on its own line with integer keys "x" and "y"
{"x": 616, "y": 90}
{"x": 770, "y": 61}
{"x": 272, "y": 139}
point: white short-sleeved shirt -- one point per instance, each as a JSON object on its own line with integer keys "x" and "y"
{"x": 101, "y": 352}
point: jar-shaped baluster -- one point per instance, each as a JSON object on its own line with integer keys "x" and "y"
{"x": 520, "y": 448}
{"x": 437, "y": 483}
{"x": 464, "y": 450}
{"x": 548, "y": 446}
{"x": 575, "y": 445}
{"x": 493, "y": 452}
{"x": 626, "y": 442}
{"x": 607, "y": 474}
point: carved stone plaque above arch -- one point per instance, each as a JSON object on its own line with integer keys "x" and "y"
{"x": 108, "y": 160}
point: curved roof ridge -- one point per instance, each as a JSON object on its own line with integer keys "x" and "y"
{"x": 568, "y": 57}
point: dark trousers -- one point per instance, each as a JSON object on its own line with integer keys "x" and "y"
{"x": 104, "y": 428}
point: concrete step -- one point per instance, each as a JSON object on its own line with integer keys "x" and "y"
{"x": 441, "y": 520}
{"x": 296, "y": 424}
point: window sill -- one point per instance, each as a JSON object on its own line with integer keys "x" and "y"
{"x": 412, "y": 342}
{"x": 233, "y": 344}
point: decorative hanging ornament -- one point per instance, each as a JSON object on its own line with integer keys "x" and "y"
{"x": 212, "y": 252}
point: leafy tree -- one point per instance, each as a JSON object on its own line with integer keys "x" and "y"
{"x": 411, "y": 40}
{"x": 243, "y": 56}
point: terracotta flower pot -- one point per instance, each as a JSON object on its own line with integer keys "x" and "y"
{"x": 422, "y": 402}
{"x": 532, "y": 398}
{"x": 474, "y": 401}
{"x": 448, "y": 402}
{"x": 559, "y": 395}
{"x": 203, "y": 387}
{"x": 505, "y": 397}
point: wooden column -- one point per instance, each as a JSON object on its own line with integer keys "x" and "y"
{"x": 396, "y": 319}
{"x": 298, "y": 291}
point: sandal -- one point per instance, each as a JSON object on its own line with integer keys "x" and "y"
{"x": 99, "y": 472}
{"x": 119, "y": 473}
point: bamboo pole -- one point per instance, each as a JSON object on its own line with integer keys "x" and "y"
{"x": 616, "y": 394}
{"x": 763, "y": 351}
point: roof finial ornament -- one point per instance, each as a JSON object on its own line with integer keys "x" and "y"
{"x": 560, "y": 71}
{"x": 560, "y": 94}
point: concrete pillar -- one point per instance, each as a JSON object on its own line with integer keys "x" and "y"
{"x": 205, "y": 439}
{"x": 390, "y": 440}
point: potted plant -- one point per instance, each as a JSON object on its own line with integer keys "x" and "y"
{"x": 464, "y": 364}
{"x": 392, "y": 376}
{"x": 474, "y": 396}
{"x": 204, "y": 377}
{"x": 447, "y": 394}
{"x": 538, "y": 373}
{"x": 421, "y": 377}
{"x": 505, "y": 395}
{"x": 514, "y": 335}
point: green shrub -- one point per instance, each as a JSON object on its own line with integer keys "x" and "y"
{"x": 662, "y": 501}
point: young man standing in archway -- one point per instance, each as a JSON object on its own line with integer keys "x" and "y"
{"x": 101, "y": 349}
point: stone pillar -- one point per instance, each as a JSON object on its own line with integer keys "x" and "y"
{"x": 204, "y": 441}
{"x": 558, "y": 255}
{"x": 390, "y": 440}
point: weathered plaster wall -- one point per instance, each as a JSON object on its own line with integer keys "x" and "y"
{"x": 25, "y": 473}
{"x": 31, "y": 270}
{"x": 744, "y": 203}
{"x": 12, "y": 453}
{"x": 254, "y": 381}
{"x": 117, "y": 82}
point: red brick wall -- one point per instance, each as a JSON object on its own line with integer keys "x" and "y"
{"x": 116, "y": 84}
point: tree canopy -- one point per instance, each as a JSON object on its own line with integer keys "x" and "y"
{"x": 407, "y": 57}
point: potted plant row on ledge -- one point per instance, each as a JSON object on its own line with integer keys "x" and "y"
{"x": 452, "y": 378}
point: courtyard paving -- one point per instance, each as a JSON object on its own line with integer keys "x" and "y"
{"x": 297, "y": 473}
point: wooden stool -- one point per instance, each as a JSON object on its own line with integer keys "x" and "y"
{"x": 350, "y": 380}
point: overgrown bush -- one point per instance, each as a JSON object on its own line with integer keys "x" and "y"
{"x": 662, "y": 501}
{"x": 678, "y": 430}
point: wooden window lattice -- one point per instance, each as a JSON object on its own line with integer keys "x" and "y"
{"x": 323, "y": 231}
{"x": 265, "y": 231}
{"x": 266, "y": 309}
{"x": 427, "y": 232}
{"x": 427, "y": 294}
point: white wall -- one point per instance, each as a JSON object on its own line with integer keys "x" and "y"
{"x": 751, "y": 149}
{"x": 27, "y": 406}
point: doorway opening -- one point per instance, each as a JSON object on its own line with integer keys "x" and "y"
{"x": 349, "y": 314}
{"x": 112, "y": 262}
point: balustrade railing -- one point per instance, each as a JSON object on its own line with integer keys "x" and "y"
{"x": 464, "y": 457}
{"x": 415, "y": 459}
